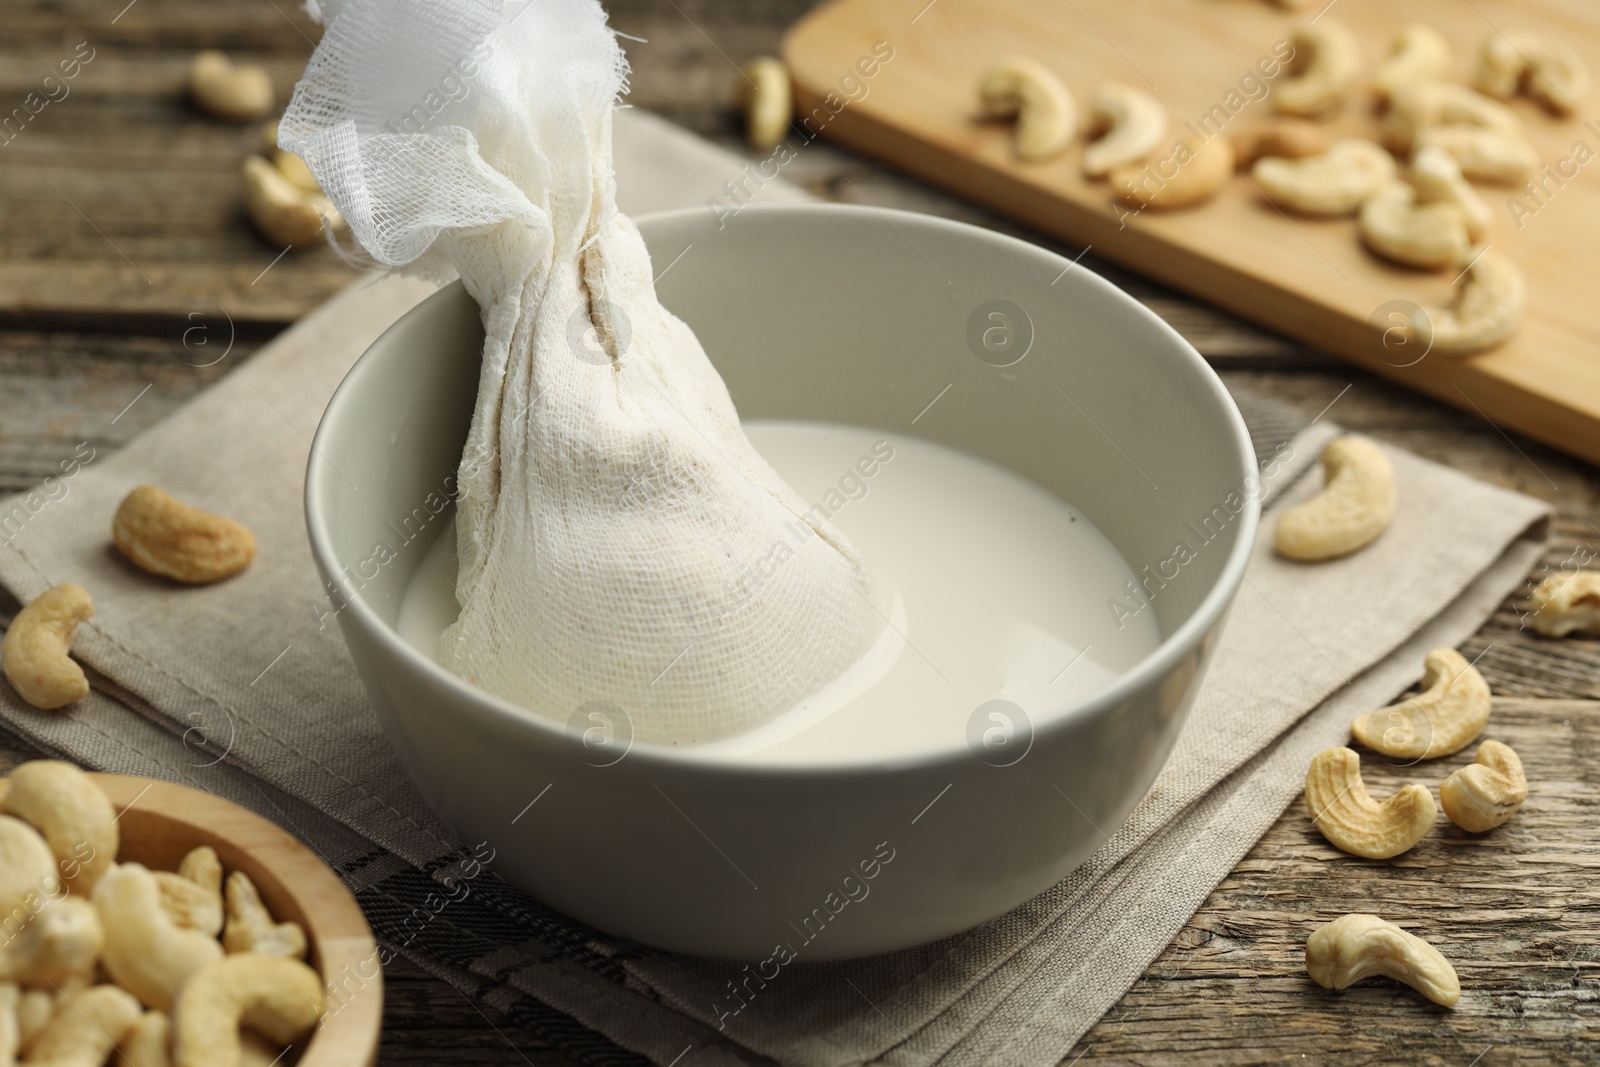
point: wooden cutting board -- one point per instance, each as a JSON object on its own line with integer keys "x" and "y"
{"x": 1307, "y": 278}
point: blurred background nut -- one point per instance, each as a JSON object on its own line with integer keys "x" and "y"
{"x": 87, "y": 1030}
{"x": 1331, "y": 184}
{"x": 1399, "y": 227}
{"x": 27, "y": 868}
{"x": 1437, "y": 177}
{"x": 289, "y": 165}
{"x": 1352, "y": 947}
{"x": 1193, "y": 174}
{"x": 1345, "y": 814}
{"x": 251, "y": 927}
{"x": 1500, "y": 157}
{"x": 1451, "y": 710}
{"x": 34, "y": 651}
{"x": 1565, "y": 604}
{"x": 279, "y": 998}
{"x": 1486, "y": 312}
{"x": 1420, "y": 106}
{"x": 1545, "y": 70}
{"x": 1327, "y": 60}
{"x": 177, "y": 541}
{"x": 145, "y": 952}
{"x": 192, "y": 895}
{"x": 281, "y": 211}
{"x": 1355, "y": 506}
{"x": 1127, "y": 124}
{"x": 228, "y": 92}
{"x": 767, "y": 101}
{"x": 1283, "y": 138}
{"x": 1487, "y": 793}
{"x": 62, "y": 941}
{"x": 1419, "y": 54}
{"x": 1028, "y": 91}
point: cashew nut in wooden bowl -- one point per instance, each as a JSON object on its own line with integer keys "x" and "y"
{"x": 160, "y": 823}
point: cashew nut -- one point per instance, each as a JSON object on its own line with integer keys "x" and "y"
{"x": 251, "y": 927}
{"x": 1334, "y": 183}
{"x": 1419, "y": 54}
{"x": 74, "y": 815}
{"x": 1283, "y": 138}
{"x": 293, "y": 167}
{"x": 148, "y": 1044}
{"x": 284, "y": 213}
{"x": 27, "y": 871}
{"x": 767, "y": 101}
{"x": 145, "y": 952}
{"x": 1417, "y": 107}
{"x": 192, "y": 897}
{"x": 1397, "y": 226}
{"x": 1487, "y": 793}
{"x": 1548, "y": 71}
{"x": 63, "y": 940}
{"x": 1567, "y": 603}
{"x": 1352, "y": 821}
{"x": 1127, "y": 125}
{"x": 10, "y": 1028}
{"x": 280, "y": 998}
{"x": 84, "y": 1032}
{"x": 35, "y": 1009}
{"x": 1487, "y": 311}
{"x": 1502, "y": 157}
{"x": 1437, "y": 177}
{"x": 177, "y": 541}
{"x": 1326, "y": 61}
{"x": 1451, "y": 710}
{"x": 1198, "y": 174}
{"x": 1029, "y": 91}
{"x": 35, "y": 648}
{"x": 1353, "y": 947}
{"x": 1355, "y": 505}
{"x": 228, "y": 92}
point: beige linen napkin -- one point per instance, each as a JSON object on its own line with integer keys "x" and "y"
{"x": 245, "y": 689}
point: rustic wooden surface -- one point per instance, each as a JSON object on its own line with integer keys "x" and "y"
{"x": 91, "y": 351}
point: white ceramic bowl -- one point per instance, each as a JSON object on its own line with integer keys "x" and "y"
{"x": 835, "y": 314}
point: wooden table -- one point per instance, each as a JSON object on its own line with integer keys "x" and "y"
{"x": 122, "y": 248}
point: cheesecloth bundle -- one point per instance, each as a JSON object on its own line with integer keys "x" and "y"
{"x": 620, "y": 540}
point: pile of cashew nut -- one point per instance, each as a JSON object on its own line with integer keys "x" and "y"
{"x": 281, "y": 197}
{"x": 1430, "y": 218}
{"x": 157, "y": 534}
{"x": 99, "y": 957}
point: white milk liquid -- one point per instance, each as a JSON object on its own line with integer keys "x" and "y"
{"x": 992, "y": 589}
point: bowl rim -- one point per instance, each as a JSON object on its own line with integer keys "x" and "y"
{"x": 1155, "y": 665}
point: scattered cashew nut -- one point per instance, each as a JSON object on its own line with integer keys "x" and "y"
{"x": 1197, "y": 175}
{"x": 10, "y": 1028}
{"x": 1030, "y": 92}
{"x": 145, "y": 952}
{"x": 1548, "y": 71}
{"x": 283, "y": 212}
{"x": 1568, "y": 603}
{"x": 1452, "y": 709}
{"x": 251, "y": 927}
{"x": 280, "y": 998}
{"x": 74, "y": 815}
{"x": 1487, "y": 311}
{"x": 149, "y": 1043}
{"x": 35, "y": 1009}
{"x": 1352, "y": 821}
{"x": 1488, "y": 792}
{"x": 64, "y": 939}
{"x": 1501, "y": 157}
{"x": 1437, "y": 177}
{"x": 1282, "y": 138}
{"x": 1398, "y": 226}
{"x": 1129, "y": 124}
{"x": 177, "y": 541}
{"x": 293, "y": 167}
{"x": 35, "y": 648}
{"x": 1356, "y": 504}
{"x": 767, "y": 100}
{"x": 192, "y": 897}
{"x": 229, "y": 92}
{"x": 84, "y": 1033}
{"x": 27, "y": 869}
{"x": 1419, "y": 54}
{"x": 1326, "y": 61}
{"x": 1334, "y": 183}
{"x": 1420, "y": 106}
{"x": 1353, "y": 947}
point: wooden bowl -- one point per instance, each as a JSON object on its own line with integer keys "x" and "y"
{"x": 160, "y": 822}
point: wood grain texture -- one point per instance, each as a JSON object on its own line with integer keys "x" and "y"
{"x": 1308, "y": 278}
{"x": 1521, "y": 918}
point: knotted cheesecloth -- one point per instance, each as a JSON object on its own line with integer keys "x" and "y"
{"x": 620, "y": 539}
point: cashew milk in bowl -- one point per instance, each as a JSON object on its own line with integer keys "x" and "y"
{"x": 1000, "y": 602}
